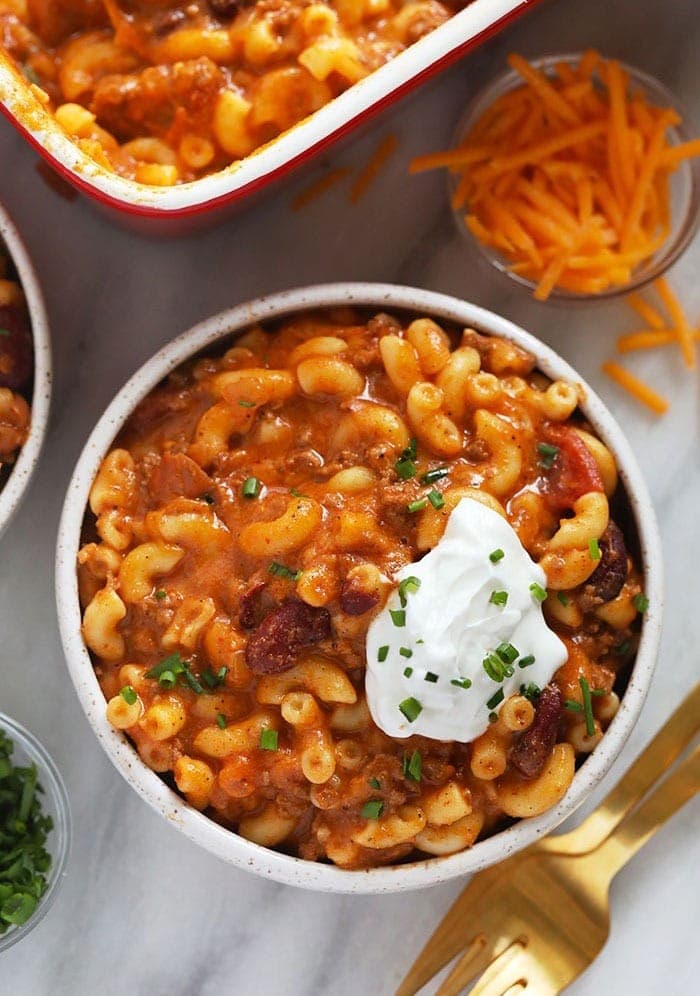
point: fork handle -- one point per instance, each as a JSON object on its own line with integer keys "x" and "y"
{"x": 668, "y": 744}
{"x": 641, "y": 825}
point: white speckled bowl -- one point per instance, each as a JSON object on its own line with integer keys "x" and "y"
{"x": 13, "y": 491}
{"x": 207, "y": 833}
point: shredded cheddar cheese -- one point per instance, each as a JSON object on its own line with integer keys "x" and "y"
{"x": 637, "y": 388}
{"x": 319, "y": 187}
{"x": 567, "y": 176}
{"x": 385, "y": 149}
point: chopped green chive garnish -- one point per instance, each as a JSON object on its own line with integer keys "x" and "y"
{"x": 641, "y": 603}
{"x": 405, "y": 652}
{"x": 192, "y": 682}
{"x": 280, "y": 571}
{"x": 594, "y": 549}
{"x": 221, "y": 721}
{"x": 171, "y": 666}
{"x": 413, "y": 766}
{"x": 383, "y": 653}
{"x": 160, "y": 594}
{"x": 420, "y": 640}
{"x": 493, "y": 717}
{"x": 498, "y": 597}
{"x": 209, "y": 499}
{"x": 213, "y": 680}
{"x": 372, "y": 810}
{"x": 561, "y": 597}
{"x": 398, "y": 617}
{"x": 548, "y": 454}
{"x": 167, "y": 680}
{"x": 507, "y": 652}
{"x": 598, "y": 692}
{"x": 538, "y": 592}
{"x": 573, "y": 706}
{"x": 622, "y": 648}
{"x": 526, "y": 661}
{"x": 531, "y": 691}
{"x": 434, "y": 475}
{"x": 435, "y": 498}
{"x": 268, "y": 739}
{"x": 496, "y": 555}
{"x": 251, "y": 487}
{"x": 405, "y": 466}
{"x": 128, "y": 694}
{"x": 461, "y": 682}
{"x": 246, "y": 404}
{"x": 411, "y": 708}
{"x": 408, "y": 586}
{"x": 495, "y": 699}
{"x": 374, "y": 782}
{"x": 494, "y": 667}
{"x": 407, "y": 672}
{"x": 431, "y": 677}
{"x": 417, "y": 506}
{"x": 587, "y": 706}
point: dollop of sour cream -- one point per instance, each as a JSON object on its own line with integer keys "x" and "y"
{"x": 450, "y": 644}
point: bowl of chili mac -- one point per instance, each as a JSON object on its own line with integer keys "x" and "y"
{"x": 171, "y": 110}
{"x": 359, "y": 587}
{"x": 25, "y": 369}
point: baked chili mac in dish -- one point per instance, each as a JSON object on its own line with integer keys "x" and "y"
{"x": 361, "y": 587}
{"x": 16, "y": 367}
{"x": 164, "y": 92}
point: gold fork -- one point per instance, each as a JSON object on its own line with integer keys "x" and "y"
{"x": 495, "y": 887}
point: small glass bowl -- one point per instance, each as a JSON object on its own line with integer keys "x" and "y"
{"x": 54, "y": 803}
{"x": 684, "y": 182}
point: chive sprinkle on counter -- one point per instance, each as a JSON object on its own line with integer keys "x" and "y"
{"x": 24, "y": 860}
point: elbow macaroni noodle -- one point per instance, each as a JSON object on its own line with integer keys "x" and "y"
{"x": 275, "y": 477}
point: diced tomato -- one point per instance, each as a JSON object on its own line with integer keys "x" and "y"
{"x": 574, "y": 471}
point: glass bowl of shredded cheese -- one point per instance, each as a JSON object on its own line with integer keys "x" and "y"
{"x": 574, "y": 175}
{"x": 35, "y": 831}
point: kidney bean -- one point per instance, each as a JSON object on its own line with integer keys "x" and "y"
{"x": 274, "y": 644}
{"x": 606, "y": 581}
{"x": 256, "y": 603}
{"x": 354, "y": 600}
{"x": 530, "y": 752}
{"x": 16, "y": 355}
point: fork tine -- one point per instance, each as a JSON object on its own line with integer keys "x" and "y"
{"x": 510, "y": 968}
{"x": 473, "y": 962}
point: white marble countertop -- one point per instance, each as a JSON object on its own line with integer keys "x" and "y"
{"x": 143, "y": 910}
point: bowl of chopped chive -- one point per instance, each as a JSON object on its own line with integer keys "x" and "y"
{"x": 35, "y": 832}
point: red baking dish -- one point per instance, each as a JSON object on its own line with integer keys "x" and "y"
{"x": 211, "y": 195}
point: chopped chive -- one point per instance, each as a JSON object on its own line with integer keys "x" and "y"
{"x": 411, "y": 708}
{"x": 246, "y": 404}
{"x": 212, "y": 680}
{"x": 405, "y": 652}
{"x": 160, "y": 594}
{"x": 507, "y": 652}
{"x": 538, "y": 592}
{"x": 598, "y": 692}
{"x": 587, "y": 706}
{"x": 495, "y": 699}
{"x": 496, "y": 555}
{"x": 374, "y": 782}
{"x": 526, "y": 661}
{"x": 434, "y": 475}
{"x": 407, "y": 672}
{"x": 209, "y": 499}
{"x": 128, "y": 694}
{"x": 417, "y": 506}
{"x": 297, "y": 493}
{"x": 398, "y": 617}
{"x": 251, "y": 487}
{"x": 420, "y": 640}
{"x": 573, "y": 706}
{"x": 461, "y": 682}
{"x": 408, "y": 586}
{"x": 413, "y": 766}
{"x": 431, "y": 677}
{"x": 641, "y": 603}
{"x": 548, "y": 453}
{"x": 493, "y": 717}
{"x": 594, "y": 549}
{"x": 167, "y": 680}
{"x": 372, "y": 810}
{"x": 221, "y": 721}
{"x": 436, "y": 499}
{"x": 280, "y": 571}
{"x": 269, "y": 739}
{"x": 192, "y": 682}
{"x": 173, "y": 664}
{"x": 498, "y": 598}
{"x": 406, "y": 469}
{"x": 622, "y": 648}
{"x": 531, "y": 691}
{"x": 383, "y": 653}
{"x": 494, "y": 667}
{"x": 561, "y": 597}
